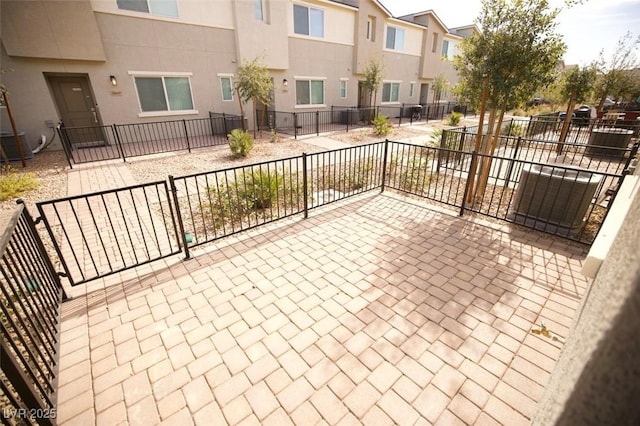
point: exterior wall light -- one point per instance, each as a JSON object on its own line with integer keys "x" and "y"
{"x": 113, "y": 80}
{"x": 285, "y": 83}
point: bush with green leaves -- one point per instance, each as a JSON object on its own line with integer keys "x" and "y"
{"x": 513, "y": 129}
{"x": 454, "y": 119}
{"x": 14, "y": 184}
{"x": 410, "y": 172}
{"x": 240, "y": 142}
{"x": 260, "y": 188}
{"x": 381, "y": 125}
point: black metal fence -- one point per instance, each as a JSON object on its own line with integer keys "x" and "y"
{"x": 122, "y": 141}
{"x": 102, "y": 233}
{"x": 29, "y": 316}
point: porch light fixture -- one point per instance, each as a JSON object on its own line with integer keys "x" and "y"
{"x": 113, "y": 80}
{"x": 285, "y": 83}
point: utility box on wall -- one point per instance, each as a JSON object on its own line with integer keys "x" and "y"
{"x": 11, "y": 150}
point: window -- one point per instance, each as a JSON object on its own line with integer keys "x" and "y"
{"x": 227, "y": 88}
{"x": 395, "y": 38}
{"x": 435, "y": 43}
{"x": 371, "y": 28}
{"x": 390, "y": 92}
{"x": 155, "y": 7}
{"x": 309, "y": 92}
{"x": 308, "y": 21}
{"x": 445, "y": 48}
{"x": 164, "y": 93}
{"x": 257, "y": 10}
{"x": 343, "y": 89}
{"x": 411, "y": 86}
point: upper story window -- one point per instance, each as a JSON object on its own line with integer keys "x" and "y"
{"x": 448, "y": 49}
{"x": 371, "y": 28}
{"x": 257, "y": 10}
{"x": 308, "y": 21}
{"x": 395, "y": 38}
{"x": 163, "y": 93}
{"x": 155, "y": 7}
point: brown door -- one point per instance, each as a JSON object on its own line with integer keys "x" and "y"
{"x": 78, "y": 109}
{"x": 424, "y": 93}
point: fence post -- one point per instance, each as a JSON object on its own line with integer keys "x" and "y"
{"x": 119, "y": 142}
{"x": 472, "y": 167}
{"x": 400, "y": 118}
{"x": 186, "y": 133}
{"x": 182, "y": 241}
{"x": 305, "y": 186}
{"x": 295, "y": 125}
{"x": 317, "y": 123}
{"x": 224, "y": 124}
{"x": 348, "y": 112}
{"x": 515, "y": 156}
{"x": 41, "y": 248}
{"x": 384, "y": 165}
{"x": 66, "y": 146}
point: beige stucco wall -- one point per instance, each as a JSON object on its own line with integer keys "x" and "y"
{"x": 218, "y": 13}
{"x": 597, "y": 378}
{"x": 51, "y": 29}
{"x": 430, "y": 64}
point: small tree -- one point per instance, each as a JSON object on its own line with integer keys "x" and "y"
{"x": 576, "y": 86}
{"x": 373, "y": 75}
{"x": 615, "y": 76}
{"x": 439, "y": 87}
{"x": 253, "y": 83}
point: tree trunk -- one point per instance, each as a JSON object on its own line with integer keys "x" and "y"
{"x": 244, "y": 125}
{"x": 474, "y": 165}
{"x": 255, "y": 119}
{"x": 565, "y": 125}
{"x": 486, "y": 163}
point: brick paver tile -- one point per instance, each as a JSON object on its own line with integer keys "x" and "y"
{"x": 376, "y": 417}
{"x": 236, "y": 410}
{"x": 111, "y": 378}
{"x": 388, "y": 351}
{"x": 431, "y": 403}
{"x": 515, "y": 399}
{"x": 341, "y": 385}
{"x": 136, "y": 387}
{"x": 448, "y": 380}
{"x": 503, "y": 413}
{"x": 306, "y": 414}
{"x": 113, "y": 415}
{"x": 362, "y": 398}
{"x": 278, "y": 418}
{"x": 180, "y": 355}
{"x": 473, "y": 349}
{"x": 278, "y": 380}
{"x": 464, "y": 409}
{"x": 236, "y": 360}
{"x": 352, "y": 367}
{"x": 262, "y": 368}
{"x": 143, "y": 412}
{"x": 170, "y": 404}
{"x": 321, "y": 373}
{"x": 127, "y": 351}
{"x": 295, "y": 394}
{"x": 231, "y": 388}
{"x": 330, "y": 407}
{"x": 197, "y": 394}
{"x": 358, "y": 343}
{"x": 446, "y": 354}
{"x": 293, "y": 364}
{"x": 399, "y": 410}
{"x": 262, "y": 401}
{"x": 447, "y": 418}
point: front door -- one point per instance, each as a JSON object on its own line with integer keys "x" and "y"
{"x": 364, "y": 96}
{"x": 78, "y": 109}
{"x": 424, "y": 93}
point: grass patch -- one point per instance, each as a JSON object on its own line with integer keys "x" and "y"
{"x": 14, "y": 184}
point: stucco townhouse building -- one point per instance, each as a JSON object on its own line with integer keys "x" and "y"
{"x": 95, "y": 62}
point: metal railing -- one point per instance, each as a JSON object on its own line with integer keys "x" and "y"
{"x": 122, "y": 141}
{"x": 30, "y": 297}
{"x": 102, "y": 233}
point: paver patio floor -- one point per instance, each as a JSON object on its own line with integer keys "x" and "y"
{"x": 378, "y": 310}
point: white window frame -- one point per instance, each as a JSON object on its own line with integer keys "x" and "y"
{"x": 345, "y": 82}
{"x": 396, "y": 45}
{"x": 149, "y": 12}
{"x": 230, "y": 77}
{"x": 391, "y": 83}
{"x": 309, "y": 9}
{"x": 258, "y": 9}
{"x": 162, "y": 75}
{"x": 310, "y": 79}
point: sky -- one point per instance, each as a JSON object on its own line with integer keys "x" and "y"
{"x": 587, "y": 28}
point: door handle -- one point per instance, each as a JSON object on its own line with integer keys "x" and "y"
{"x": 95, "y": 116}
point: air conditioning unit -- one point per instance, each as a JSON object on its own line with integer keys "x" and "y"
{"x": 553, "y": 194}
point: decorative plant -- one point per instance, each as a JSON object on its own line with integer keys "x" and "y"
{"x": 454, "y": 118}
{"x": 240, "y": 142}
{"x": 381, "y": 125}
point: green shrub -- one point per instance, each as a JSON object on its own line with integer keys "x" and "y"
{"x": 240, "y": 142}
{"x": 260, "y": 188}
{"x": 513, "y": 129}
{"x": 411, "y": 172}
{"x": 381, "y": 125}
{"x": 435, "y": 139}
{"x": 13, "y": 184}
{"x": 454, "y": 118}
